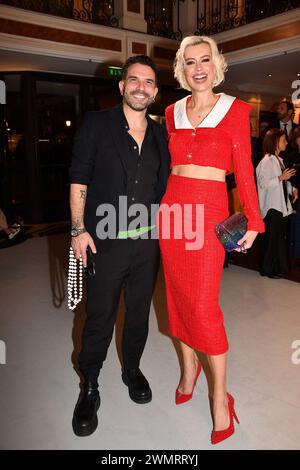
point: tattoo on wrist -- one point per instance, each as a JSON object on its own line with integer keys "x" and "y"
{"x": 77, "y": 223}
{"x": 82, "y": 193}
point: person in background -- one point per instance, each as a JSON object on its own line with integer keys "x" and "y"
{"x": 11, "y": 231}
{"x": 273, "y": 191}
{"x": 292, "y": 160}
{"x": 285, "y": 113}
{"x": 10, "y": 234}
{"x": 292, "y": 157}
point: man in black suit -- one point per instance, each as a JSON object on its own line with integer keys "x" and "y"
{"x": 119, "y": 154}
{"x": 285, "y": 113}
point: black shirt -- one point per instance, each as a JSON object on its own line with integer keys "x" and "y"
{"x": 142, "y": 168}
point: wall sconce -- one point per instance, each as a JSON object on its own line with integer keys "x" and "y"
{"x": 68, "y": 123}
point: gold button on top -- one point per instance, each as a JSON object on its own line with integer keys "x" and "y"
{"x": 194, "y": 133}
{"x": 189, "y": 155}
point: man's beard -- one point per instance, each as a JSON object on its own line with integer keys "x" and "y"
{"x": 282, "y": 117}
{"x": 134, "y": 104}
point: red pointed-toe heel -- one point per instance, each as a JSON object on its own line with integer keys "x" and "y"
{"x": 184, "y": 397}
{"x": 218, "y": 436}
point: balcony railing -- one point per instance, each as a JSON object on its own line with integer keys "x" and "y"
{"x": 164, "y": 17}
{"x": 213, "y": 16}
{"x": 159, "y": 18}
{"x": 93, "y": 11}
{"x": 219, "y": 15}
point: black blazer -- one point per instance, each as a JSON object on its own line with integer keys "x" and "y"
{"x": 292, "y": 156}
{"x": 99, "y": 162}
{"x": 276, "y": 124}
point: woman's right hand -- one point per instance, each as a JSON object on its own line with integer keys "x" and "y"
{"x": 287, "y": 174}
{"x": 80, "y": 244}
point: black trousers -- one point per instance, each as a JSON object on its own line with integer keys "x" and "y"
{"x": 132, "y": 264}
{"x": 275, "y": 249}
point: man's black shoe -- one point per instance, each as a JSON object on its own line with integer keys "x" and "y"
{"x": 85, "y": 419}
{"x": 138, "y": 386}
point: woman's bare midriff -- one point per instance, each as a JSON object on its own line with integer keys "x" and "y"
{"x": 199, "y": 172}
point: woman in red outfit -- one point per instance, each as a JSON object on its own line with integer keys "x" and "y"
{"x": 207, "y": 132}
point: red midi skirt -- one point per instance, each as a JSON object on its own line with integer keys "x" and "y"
{"x": 193, "y": 276}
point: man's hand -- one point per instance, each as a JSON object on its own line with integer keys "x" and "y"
{"x": 295, "y": 194}
{"x": 80, "y": 244}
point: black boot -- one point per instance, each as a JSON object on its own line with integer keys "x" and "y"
{"x": 138, "y": 386}
{"x": 85, "y": 419}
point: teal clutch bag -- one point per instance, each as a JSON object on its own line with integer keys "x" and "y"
{"x": 231, "y": 230}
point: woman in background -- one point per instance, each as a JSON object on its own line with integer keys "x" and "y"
{"x": 273, "y": 192}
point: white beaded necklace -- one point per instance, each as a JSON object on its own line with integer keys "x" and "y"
{"x": 73, "y": 297}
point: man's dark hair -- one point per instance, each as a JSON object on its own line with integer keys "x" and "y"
{"x": 139, "y": 59}
{"x": 271, "y": 140}
{"x": 289, "y": 105}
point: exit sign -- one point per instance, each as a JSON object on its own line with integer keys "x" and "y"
{"x": 115, "y": 72}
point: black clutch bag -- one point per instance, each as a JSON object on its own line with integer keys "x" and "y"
{"x": 231, "y": 230}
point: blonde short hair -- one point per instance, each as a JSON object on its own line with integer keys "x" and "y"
{"x": 217, "y": 58}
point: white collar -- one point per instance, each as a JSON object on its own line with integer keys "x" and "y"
{"x": 288, "y": 124}
{"x": 215, "y": 116}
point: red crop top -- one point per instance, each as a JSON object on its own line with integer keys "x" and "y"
{"x": 222, "y": 140}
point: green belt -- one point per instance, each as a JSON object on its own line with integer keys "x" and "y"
{"x": 134, "y": 233}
